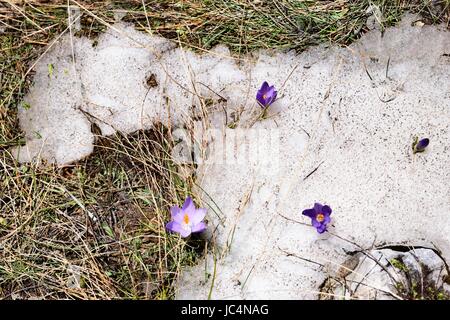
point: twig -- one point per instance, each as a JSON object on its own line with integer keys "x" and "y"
{"x": 387, "y": 67}
{"x": 289, "y": 254}
{"x": 288, "y": 77}
{"x": 309, "y": 174}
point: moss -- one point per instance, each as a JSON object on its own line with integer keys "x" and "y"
{"x": 399, "y": 265}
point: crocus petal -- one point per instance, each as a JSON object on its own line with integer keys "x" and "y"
{"x": 322, "y": 228}
{"x": 318, "y": 207}
{"x": 264, "y": 87}
{"x": 177, "y": 214}
{"x": 273, "y": 97}
{"x": 259, "y": 95}
{"x": 176, "y": 227}
{"x": 185, "y": 233}
{"x": 170, "y": 226}
{"x": 316, "y": 224}
{"x": 188, "y": 205}
{"x": 326, "y": 210}
{"x": 260, "y": 99}
{"x": 422, "y": 144}
{"x": 327, "y": 220}
{"x": 197, "y": 216}
{"x": 309, "y": 213}
{"x": 271, "y": 91}
{"x": 199, "y": 227}
{"x": 270, "y": 95}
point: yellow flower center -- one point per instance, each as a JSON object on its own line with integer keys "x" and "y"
{"x": 186, "y": 219}
{"x": 320, "y": 217}
{"x": 264, "y": 96}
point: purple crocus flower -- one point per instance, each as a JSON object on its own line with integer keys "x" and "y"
{"x": 320, "y": 216}
{"x": 266, "y": 95}
{"x": 187, "y": 220}
{"x": 421, "y": 145}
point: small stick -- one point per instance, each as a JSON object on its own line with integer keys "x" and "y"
{"x": 387, "y": 67}
{"x": 289, "y": 254}
{"x": 309, "y": 174}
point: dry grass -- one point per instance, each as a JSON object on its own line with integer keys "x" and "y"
{"x": 95, "y": 229}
